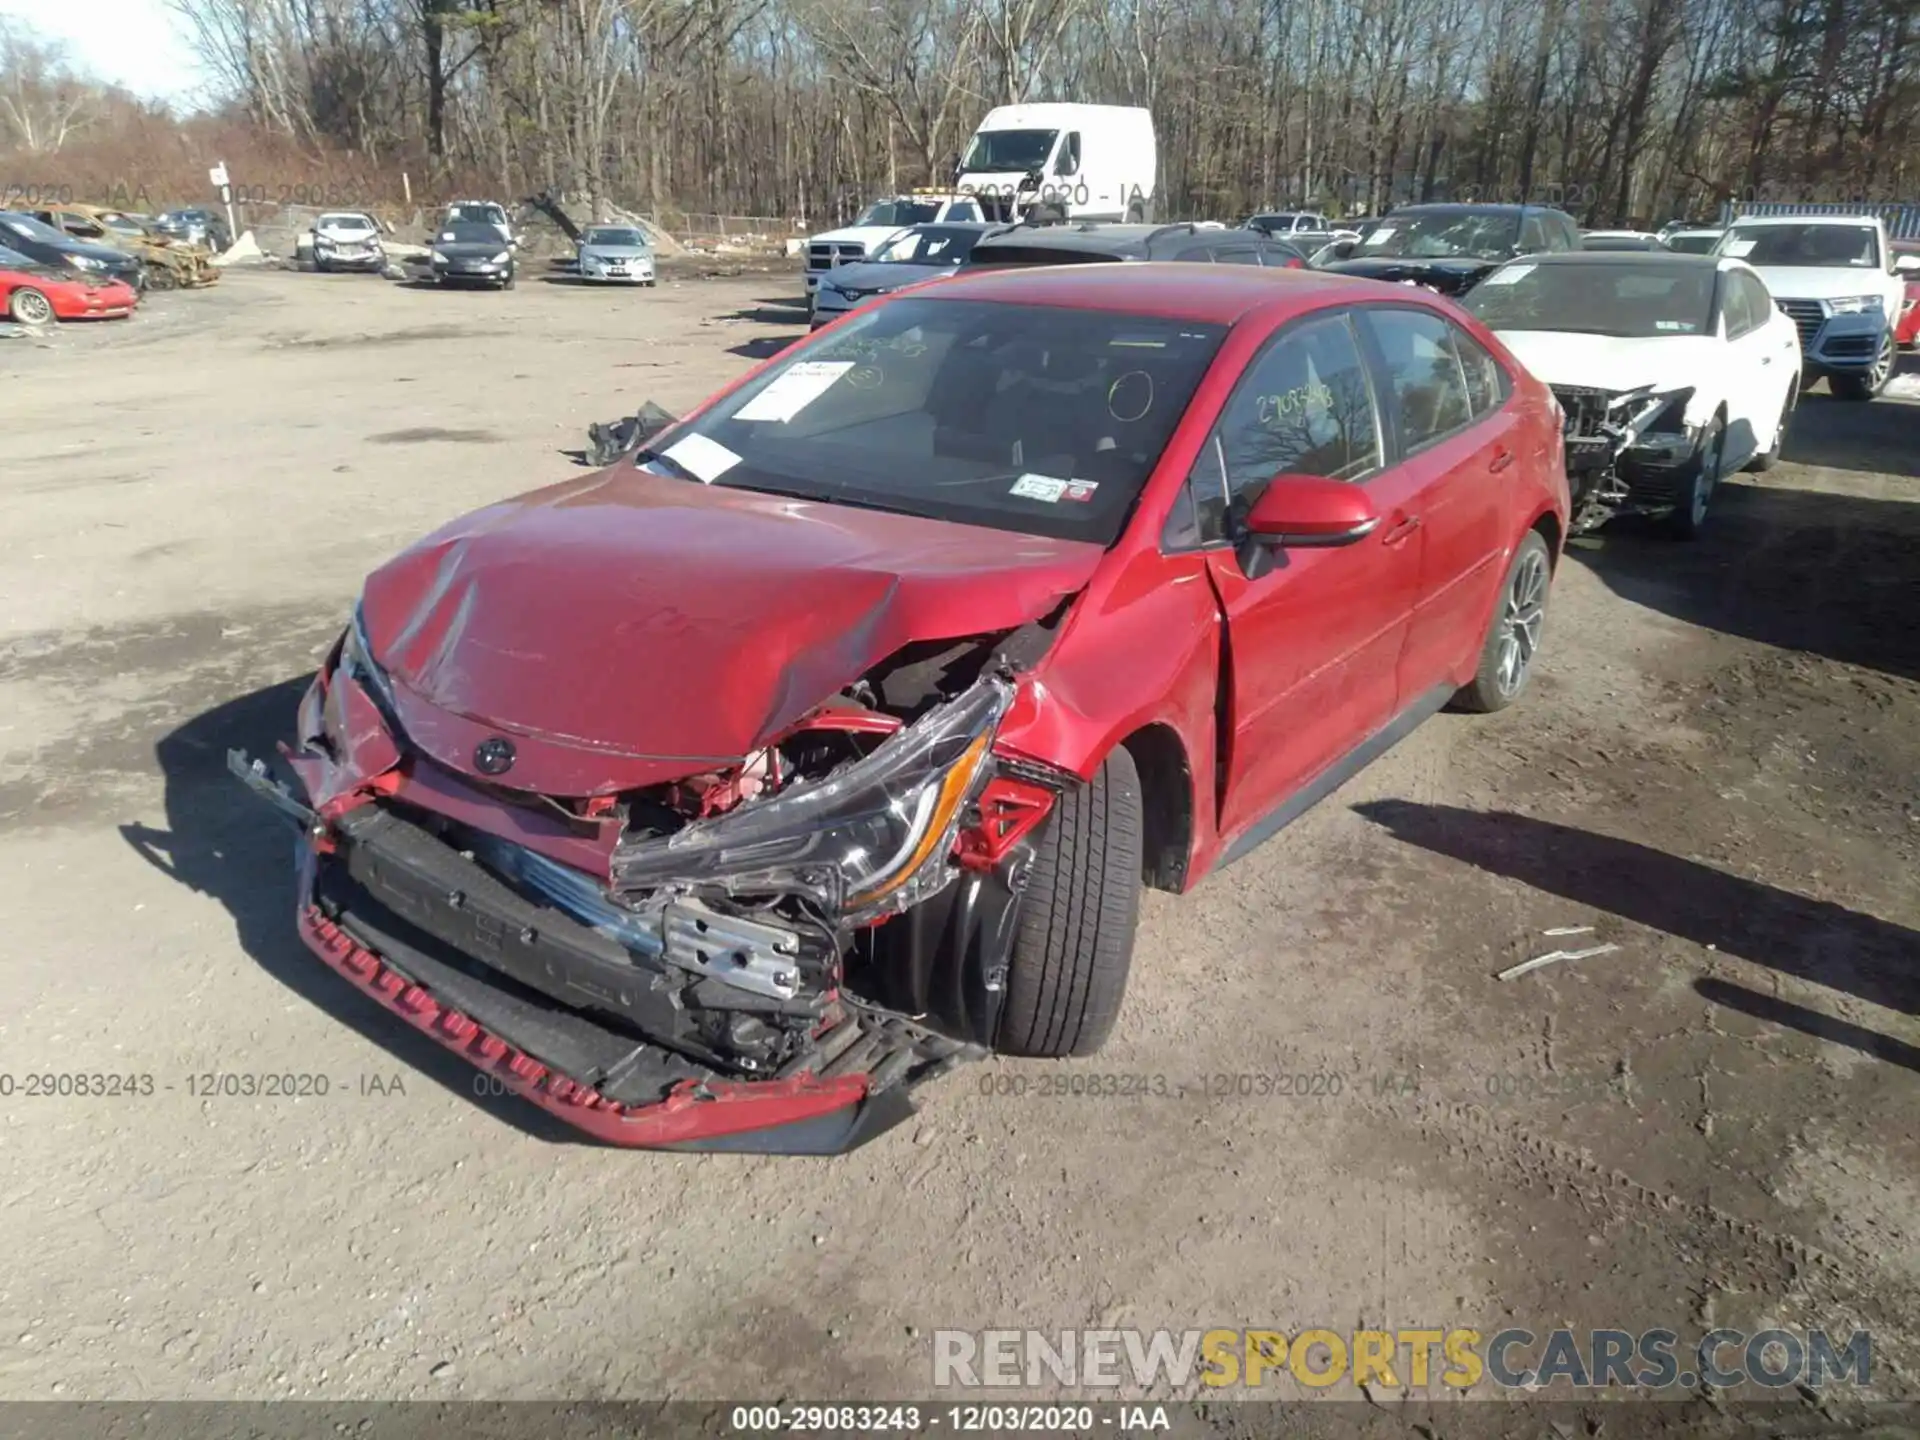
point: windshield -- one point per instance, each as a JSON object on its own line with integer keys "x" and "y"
{"x": 1020, "y": 150}
{"x": 462, "y": 233}
{"x": 1631, "y": 300}
{"x": 899, "y": 212}
{"x": 632, "y": 239}
{"x": 1818, "y": 246}
{"x": 477, "y": 214}
{"x": 14, "y": 260}
{"x": 1040, "y": 422}
{"x": 1444, "y": 235}
{"x": 928, "y": 245}
{"x": 1694, "y": 244}
{"x": 343, "y": 222}
{"x": 125, "y": 224}
{"x": 32, "y": 229}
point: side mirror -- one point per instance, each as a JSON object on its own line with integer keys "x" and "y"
{"x": 1310, "y": 511}
{"x": 1906, "y": 264}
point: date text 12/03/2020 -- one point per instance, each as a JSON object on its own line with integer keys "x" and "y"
{"x": 1106, "y": 1418}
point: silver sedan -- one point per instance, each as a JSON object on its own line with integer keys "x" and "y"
{"x": 615, "y": 255}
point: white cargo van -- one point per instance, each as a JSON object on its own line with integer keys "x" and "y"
{"x": 1090, "y": 162}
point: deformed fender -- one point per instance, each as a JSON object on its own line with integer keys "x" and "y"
{"x": 1140, "y": 650}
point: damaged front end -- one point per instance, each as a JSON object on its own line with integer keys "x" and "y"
{"x": 1627, "y": 451}
{"x": 764, "y": 955}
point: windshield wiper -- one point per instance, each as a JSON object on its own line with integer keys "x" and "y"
{"x": 660, "y": 457}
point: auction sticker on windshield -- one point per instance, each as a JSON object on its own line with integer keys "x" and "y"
{"x": 798, "y": 387}
{"x": 708, "y": 459}
{"x": 1509, "y": 276}
{"x": 1039, "y": 487}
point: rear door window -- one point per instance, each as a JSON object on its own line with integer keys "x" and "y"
{"x": 1426, "y": 384}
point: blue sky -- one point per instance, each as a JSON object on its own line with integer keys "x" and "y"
{"x": 135, "y": 43}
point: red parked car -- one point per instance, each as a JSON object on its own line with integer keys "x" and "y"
{"x": 35, "y": 294}
{"x": 1906, "y": 328}
{"x": 713, "y": 799}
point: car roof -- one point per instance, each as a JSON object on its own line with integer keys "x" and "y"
{"x": 1462, "y": 206}
{"x": 1619, "y": 257}
{"x": 1207, "y": 294}
{"x": 1751, "y": 220}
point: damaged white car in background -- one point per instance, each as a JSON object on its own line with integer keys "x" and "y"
{"x": 1673, "y": 371}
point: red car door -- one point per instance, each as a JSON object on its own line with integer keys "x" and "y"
{"x": 1313, "y": 644}
{"x": 1446, "y": 400}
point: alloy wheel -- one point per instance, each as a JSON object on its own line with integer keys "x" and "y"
{"x": 30, "y": 307}
{"x": 1882, "y": 364}
{"x": 1521, "y": 621}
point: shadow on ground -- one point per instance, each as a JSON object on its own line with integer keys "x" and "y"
{"x": 764, "y": 348}
{"x": 1812, "y": 940}
{"x": 222, "y": 842}
{"x": 1775, "y": 1011}
{"x": 1834, "y": 575}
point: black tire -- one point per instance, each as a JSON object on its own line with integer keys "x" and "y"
{"x": 1866, "y": 384}
{"x": 1514, "y": 638}
{"x": 1074, "y": 941}
{"x": 30, "y": 307}
{"x": 1698, "y": 484}
{"x": 1770, "y": 457}
{"x": 507, "y": 284}
{"x": 159, "y": 277}
{"x": 319, "y": 266}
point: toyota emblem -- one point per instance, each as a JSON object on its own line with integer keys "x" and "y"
{"x": 493, "y": 756}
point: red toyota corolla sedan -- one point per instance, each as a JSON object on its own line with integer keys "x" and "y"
{"x": 36, "y": 294}
{"x": 715, "y": 799}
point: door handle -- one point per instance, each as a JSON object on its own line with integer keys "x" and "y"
{"x": 1401, "y": 530}
{"x": 1766, "y": 359}
{"x": 1502, "y": 458}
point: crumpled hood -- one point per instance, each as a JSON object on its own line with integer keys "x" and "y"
{"x": 1449, "y": 277}
{"x": 630, "y": 628}
{"x": 1609, "y": 362}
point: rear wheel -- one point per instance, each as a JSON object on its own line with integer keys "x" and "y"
{"x": 30, "y": 307}
{"x": 1702, "y": 478}
{"x": 1513, "y": 640}
{"x": 1865, "y": 384}
{"x": 159, "y": 277}
{"x": 1074, "y": 944}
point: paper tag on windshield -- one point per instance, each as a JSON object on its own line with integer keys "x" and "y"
{"x": 795, "y": 388}
{"x": 1039, "y": 487}
{"x": 1374, "y": 237}
{"x": 1737, "y": 248}
{"x": 1509, "y": 275}
{"x": 1080, "y": 489}
{"x": 708, "y": 459}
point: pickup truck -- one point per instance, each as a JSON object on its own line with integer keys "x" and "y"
{"x": 878, "y": 223}
{"x": 1837, "y": 277}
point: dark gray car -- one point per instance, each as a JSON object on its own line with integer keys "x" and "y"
{"x": 920, "y": 252}
{"x": 1089, "y": 241}
{"x": 472, "y": 254}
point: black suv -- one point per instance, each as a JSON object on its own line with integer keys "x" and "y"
{"x": 39, "y": 241}
{"x": 1449, "y": 248}
{"x": 1091, "y": 241}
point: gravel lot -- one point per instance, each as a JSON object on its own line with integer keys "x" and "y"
{"x": 1713, "y": 1124}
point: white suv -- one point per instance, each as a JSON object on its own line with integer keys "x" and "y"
{"x": 1834, "y": 276}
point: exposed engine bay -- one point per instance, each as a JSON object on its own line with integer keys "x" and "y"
{"x": 1625, "y": 450}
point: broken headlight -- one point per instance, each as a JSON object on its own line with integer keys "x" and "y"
{"x": 864, "y": 842}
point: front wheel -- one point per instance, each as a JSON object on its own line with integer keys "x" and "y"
{"x": 1697, "y": 485}
{"x": 1865, "y": 384}
{"x": 1770, "y": 457}
{"x": 30, "y": 307}
{"x": 1513, "y": 640}
{"x": 1074, "y": 944}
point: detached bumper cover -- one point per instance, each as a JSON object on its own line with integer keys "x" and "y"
{"x": 484, "y": 978}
